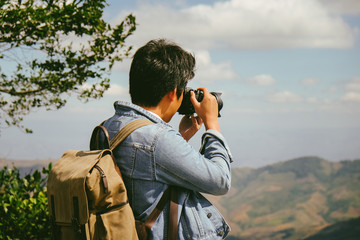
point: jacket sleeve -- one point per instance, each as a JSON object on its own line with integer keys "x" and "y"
{"x": 178, "y": 163}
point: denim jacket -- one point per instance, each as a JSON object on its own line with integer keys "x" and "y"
{"x": 156, "y": 156}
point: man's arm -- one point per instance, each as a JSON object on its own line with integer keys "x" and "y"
{"x": 178, "y": 163}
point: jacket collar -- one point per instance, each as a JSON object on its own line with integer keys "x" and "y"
{"x": 126, "y": 108}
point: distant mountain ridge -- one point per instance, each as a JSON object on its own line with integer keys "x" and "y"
{"x": 292, "y": 199}
{"x": 305, "y": 198}
{"x": 24, "y": 163}
{"x": 25, "y": 166}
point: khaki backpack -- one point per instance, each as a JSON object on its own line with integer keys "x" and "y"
{"x": 87, "y": 196}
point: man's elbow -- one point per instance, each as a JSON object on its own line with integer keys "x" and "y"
{"x": 223, "y": 182}
{"x": 221, "y": 187}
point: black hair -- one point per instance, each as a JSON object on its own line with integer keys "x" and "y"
{"x": 158, "y": 68}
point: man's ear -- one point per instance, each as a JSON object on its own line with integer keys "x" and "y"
{"x": 172, "y": 95}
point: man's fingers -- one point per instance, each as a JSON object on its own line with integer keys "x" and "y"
{"x": 193, "y": 119}
{"x": 196, "y": 121}
{"x": 205, "y": 90}
{"x": 193, "y": 100}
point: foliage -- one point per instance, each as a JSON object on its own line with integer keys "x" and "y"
{"x": 53, "y": 48}
{"x": 24, "y": 205}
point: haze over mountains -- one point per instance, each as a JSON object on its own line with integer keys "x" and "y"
{"x": 304, "y": 198}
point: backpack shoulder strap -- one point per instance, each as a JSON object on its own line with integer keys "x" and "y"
{"x": 170, "y": 195}
{"x": 125, "y": 131}
{"x": 96, "y": 144}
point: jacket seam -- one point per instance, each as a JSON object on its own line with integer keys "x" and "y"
{"x": 153, "y": 145}
{"x": 178, "y": 177}
{"x": 133, "y": 162}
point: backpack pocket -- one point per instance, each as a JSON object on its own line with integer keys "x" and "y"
{"x": 114, "y": 224}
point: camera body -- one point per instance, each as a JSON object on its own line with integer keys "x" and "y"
{"x": 186, "y": 107}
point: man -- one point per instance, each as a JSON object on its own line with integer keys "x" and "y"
{"x": 156, "y": 156}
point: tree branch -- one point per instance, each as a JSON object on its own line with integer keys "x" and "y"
{"x": 20, "y": 93}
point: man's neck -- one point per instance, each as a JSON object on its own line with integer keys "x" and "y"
{"x": 167, "y": 106}
{"x": 156, "y": 111}
{"x": 153, "y": 113}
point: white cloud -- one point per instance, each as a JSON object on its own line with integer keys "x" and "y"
{"x": 75, "y": 42}
{"x": 239, "y": 24}
{"x": 116, "y": 90}
{"x": 123, "y": 66}
{"x": 207, "y": 71}
{"x": 327, "y": 101}
{"x": 312, "y": 100}
{"x": 246, "y": 111}
{"x": 261, "y": 80}
{"x": 332, "y": 89}
{"x": 285, "y": 97}
{"x": 353, "y": 85}
{"x": 309, "y": 81}
{"x": 85, "y": 109}
{"x": 351, "y": 97}
{"x": 352, "y": 91}
{"x": 342, "y": 7}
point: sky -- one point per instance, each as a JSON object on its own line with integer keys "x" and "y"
{"x": 288, "y": 70}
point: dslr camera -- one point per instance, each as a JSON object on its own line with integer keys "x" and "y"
{"x": 186, "y": 107}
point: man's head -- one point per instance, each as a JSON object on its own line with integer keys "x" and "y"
{"x": 158, "y": 68}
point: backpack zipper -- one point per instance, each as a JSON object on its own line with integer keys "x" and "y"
{"x": 103, "y": 178}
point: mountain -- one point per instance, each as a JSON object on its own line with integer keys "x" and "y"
{"x": 30, "y": 164}
{"x": 291, "y": 200}
{"x": 25, "y": 166}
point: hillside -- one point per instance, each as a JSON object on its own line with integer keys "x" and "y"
{"x": 291, "y": 200}
{"x": 349, "y": 230}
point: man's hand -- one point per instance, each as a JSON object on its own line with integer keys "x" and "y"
{"x": 207, "y": 109}
{"x": 189, "y": 125}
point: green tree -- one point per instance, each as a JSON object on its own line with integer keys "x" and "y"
{"x": 50, "y": 49}
{"x": 24, "y": 205}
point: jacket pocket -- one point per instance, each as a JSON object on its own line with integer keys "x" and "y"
{"x": 201, "y": 220}
{"x": 198, "y": 221}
